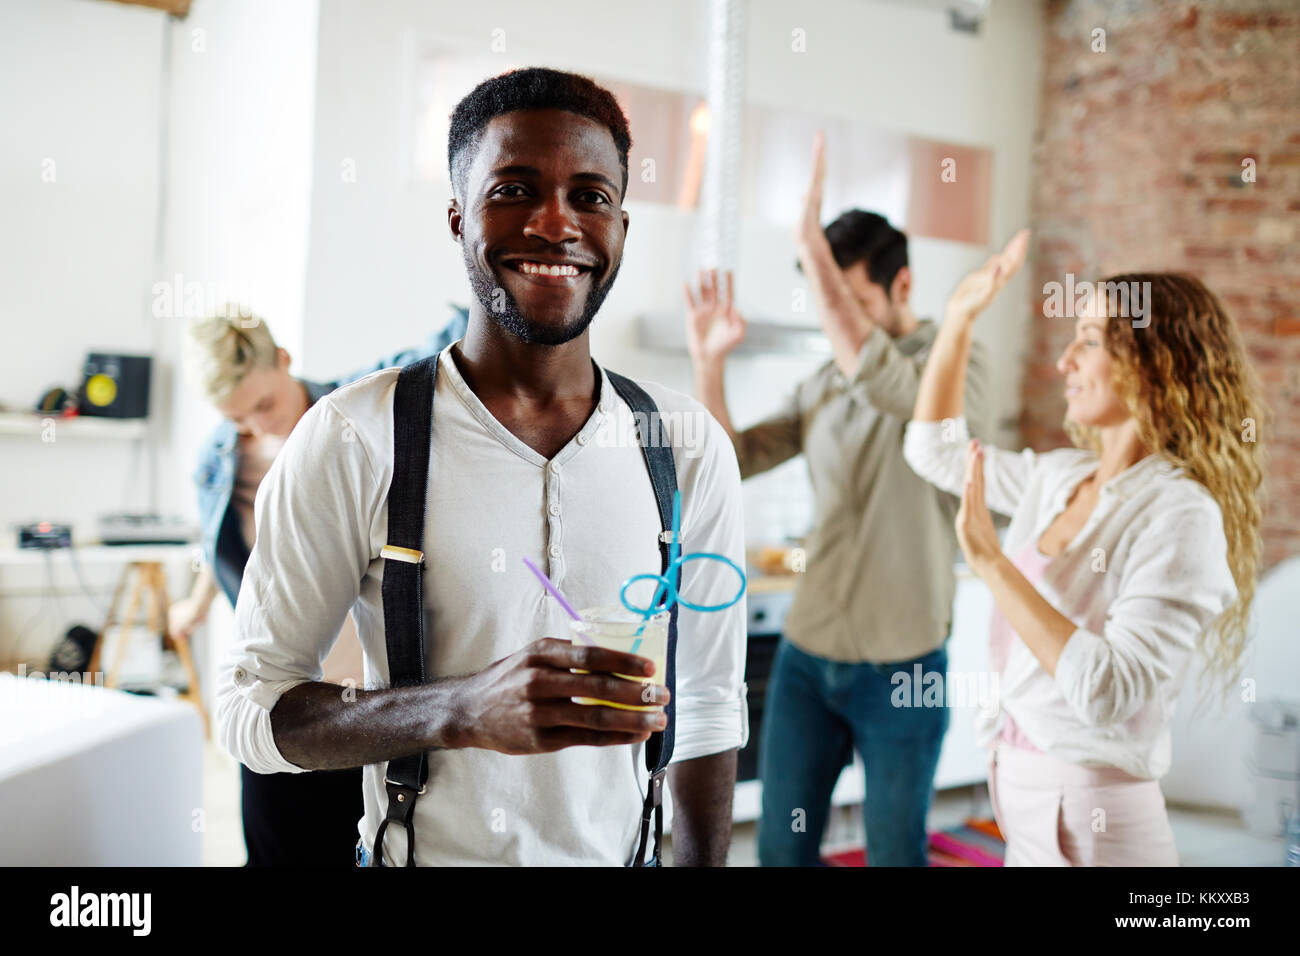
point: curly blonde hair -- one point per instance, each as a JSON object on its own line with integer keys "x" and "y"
{"x": 220, "y": 349}
{"x": 1184, "y": 376}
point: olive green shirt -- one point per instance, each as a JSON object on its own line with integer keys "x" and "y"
{"x": 879, "y": 583}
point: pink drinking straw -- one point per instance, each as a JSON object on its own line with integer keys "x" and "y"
{"x": 568, "y": 608}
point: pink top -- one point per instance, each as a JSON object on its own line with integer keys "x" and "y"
{"x": 1033, "y": 565}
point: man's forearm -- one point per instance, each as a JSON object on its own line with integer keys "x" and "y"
{"x": 205, "y": 588}
{"x": 841, "y": 315}
{"x": 702, "y": 792}
{"x": 710, "y": 388}
{"x": 322, "y": 726}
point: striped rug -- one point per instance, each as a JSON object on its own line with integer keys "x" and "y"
{"x": 973, "y": 843}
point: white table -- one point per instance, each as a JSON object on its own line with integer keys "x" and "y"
{"x": 148, "y": 595}
{"x": 93, "y": 552}
{"x": 97, "y": 777}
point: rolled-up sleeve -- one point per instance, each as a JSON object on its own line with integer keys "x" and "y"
{"x": 1175, "y": 583}
{"x": 313, "y": 512}
{"x": 774, "y": 440}
{"x": 977, "y": 406}
{"x": 937, "y": 452}
{"x": 890, "y": 378}
{"x": 712, "y": 715}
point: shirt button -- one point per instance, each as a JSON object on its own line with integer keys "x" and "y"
{"x": 555, "y": 550}
{"x": 582, "y": 439}
{"x": 554, "y": 509}
{"x": 555, "y": 468}
{"x": 241, "y": 675}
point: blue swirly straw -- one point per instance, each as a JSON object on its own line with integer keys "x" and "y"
{"x": 668, "y": 578}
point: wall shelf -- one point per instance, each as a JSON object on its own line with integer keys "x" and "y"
{"x": 24, "y": 424}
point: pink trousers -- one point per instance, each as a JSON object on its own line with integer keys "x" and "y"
{"x": 1054, "y": 813}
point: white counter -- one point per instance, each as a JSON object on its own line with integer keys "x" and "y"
{"x": 97, "y": 777}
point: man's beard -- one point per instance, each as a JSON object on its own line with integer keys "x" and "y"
{"x": 502, "y": 308}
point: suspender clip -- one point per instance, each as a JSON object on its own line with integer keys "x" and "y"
{"x": 657, "y": 788}
{"x": 394, "y": 553}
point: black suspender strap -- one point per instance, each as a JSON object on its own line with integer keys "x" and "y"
{"x": 406, "y": 777}
{"x": 658, "y": 453}
{"x": 403, "y": 583}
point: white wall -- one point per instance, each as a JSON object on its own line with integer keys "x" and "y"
{"x": 382, "y": 265}
{"x": 83, "y": 85}
{"x": 240, "y": 165}
{"x": 243, "y": 95}
{"x": 78, "y": 181}
{"x": 79, "y": 84}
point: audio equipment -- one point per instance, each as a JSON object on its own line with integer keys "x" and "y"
{"x": 116, "y": 386}
{"x": 44, "y": 535}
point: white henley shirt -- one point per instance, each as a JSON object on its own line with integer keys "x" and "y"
{"x": 587, "y": 516}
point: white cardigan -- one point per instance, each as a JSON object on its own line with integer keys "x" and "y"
{"x": 1143, "y": 578}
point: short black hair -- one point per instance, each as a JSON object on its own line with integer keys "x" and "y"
{"x": 861, "y": 236}
{"x": 534, "y": 88}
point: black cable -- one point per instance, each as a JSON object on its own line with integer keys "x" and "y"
{"x": 46, "y": 592}
{"x": 86, "y": 590}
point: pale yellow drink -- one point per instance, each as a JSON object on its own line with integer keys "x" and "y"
{"x": 615, "y": 628}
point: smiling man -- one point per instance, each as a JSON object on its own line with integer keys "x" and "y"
{"x": 517, "y": 772}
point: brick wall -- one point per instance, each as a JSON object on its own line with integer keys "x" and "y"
{"x": 1139, "y": 167}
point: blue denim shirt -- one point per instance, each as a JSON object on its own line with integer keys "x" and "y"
{"x": 224, "y": 548}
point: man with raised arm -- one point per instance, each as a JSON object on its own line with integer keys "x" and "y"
{"x": 874, "y": 608}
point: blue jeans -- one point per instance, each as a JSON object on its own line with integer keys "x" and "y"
{"x": 817, "y": 711}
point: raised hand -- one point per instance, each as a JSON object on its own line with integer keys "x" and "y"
{"x": 974, "y": 524}
{"x": 810, "y": 223}
{"x": 974, "y": 293}
{"x": 714, "y": 326}
{"x": 184, "y": 616}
